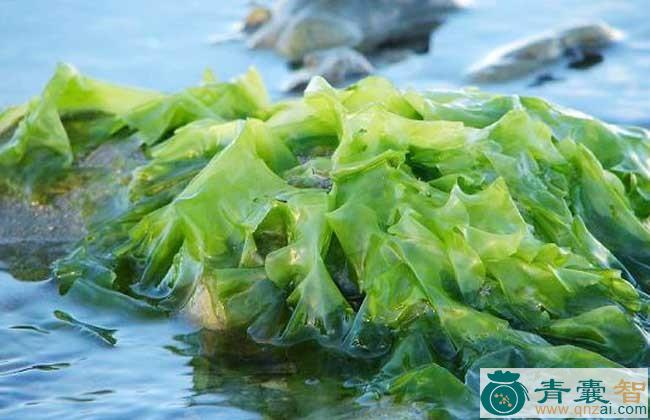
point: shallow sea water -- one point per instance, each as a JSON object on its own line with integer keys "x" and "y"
{"x": 71, "y": 357}
{"x": 74, "y": 357}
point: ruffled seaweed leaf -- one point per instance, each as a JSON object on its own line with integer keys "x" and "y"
{"x": 432, "y": 233}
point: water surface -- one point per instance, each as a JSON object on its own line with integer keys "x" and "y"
{"x": 76, "y": 357}
{"x": 166, "y": 46}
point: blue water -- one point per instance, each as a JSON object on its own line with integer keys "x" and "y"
{"x": 617, "y": 90}
{"x": 151, "y": 367}
{"x": 50, "y": 368}
{"x": 54, "y": 364}
{"x": 165, "y": 45}
{"x": 162, "y": 45}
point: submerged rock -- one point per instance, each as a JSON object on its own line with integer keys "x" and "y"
{"x": 523, "y": 57}
{"x": 40, "y": 227}
{"x": 335, "y": 64}
{"x": 298, "y": 27}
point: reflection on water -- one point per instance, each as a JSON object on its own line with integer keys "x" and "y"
{"x": 273, "y": 381}
{"x": 74, "y": 358}
{"x": 66, "y": 357}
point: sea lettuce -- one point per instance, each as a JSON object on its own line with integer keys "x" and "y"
{"x": 246, "y": 96}
{"x": 429, "y": 233}
{"x": 73, "y": 114}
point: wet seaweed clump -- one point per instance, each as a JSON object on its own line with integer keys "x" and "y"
{"x": 425, "y": 234}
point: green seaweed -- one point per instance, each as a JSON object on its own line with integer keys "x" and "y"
{"x": 430, "y": 233}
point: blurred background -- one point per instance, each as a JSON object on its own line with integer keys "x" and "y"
{"x": 63, "y": 357}
{"x": 166, "y": 45}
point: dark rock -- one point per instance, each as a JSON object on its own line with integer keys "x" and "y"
{"x": 298, "y": 27}
{"x": 335, "y": 65}
{"x": 525, "y": 56}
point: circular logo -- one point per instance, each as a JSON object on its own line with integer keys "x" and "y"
{"x": 503, "y": 395}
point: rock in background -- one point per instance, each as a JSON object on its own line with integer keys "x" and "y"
{"x": 525, "y": 56}
{"x": 328, "y": 37}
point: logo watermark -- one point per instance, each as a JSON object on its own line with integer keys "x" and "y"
{"x": 561, "y": 393}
